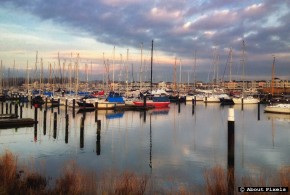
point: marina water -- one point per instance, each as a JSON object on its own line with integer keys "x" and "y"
{"x": 171, "y": 146}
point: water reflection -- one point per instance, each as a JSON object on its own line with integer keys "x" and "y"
{"x": 278, "y": 117}
{"x": 115, "y": 115}
{"x": 178, "y": 145}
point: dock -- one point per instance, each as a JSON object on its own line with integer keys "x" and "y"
{"x": 15, "y": 123}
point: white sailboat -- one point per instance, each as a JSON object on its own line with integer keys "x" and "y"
{"x": 247, "y": 99}
{"x": 278, "y": 108}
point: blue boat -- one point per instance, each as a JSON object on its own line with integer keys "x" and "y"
{"x": 115, "y": 98}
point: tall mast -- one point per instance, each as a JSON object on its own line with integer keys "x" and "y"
{"x": 36, "y": 59}
{"x": 27, "y": 77}
{"x": 114, "y": 69}
{"x": 77, "y": 72}
{"x": 70, "y": 72}
{"x": 179, "y": 75}
{"x": 273, "y": 76}
{"x": 194, "y": 79}
{"x": 127, "y": 71}
{"x": 231, "y": 62}
{"x": 41, "y": 73}
{"x": 151, "y": 66}
{"x": 174, "y": 76}
{"x": 243, "y": 63}
{"x": 1, "y": 77}
{"x": 140, "y": 73}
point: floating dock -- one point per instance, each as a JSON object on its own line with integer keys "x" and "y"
{"x": 15, "y": 123}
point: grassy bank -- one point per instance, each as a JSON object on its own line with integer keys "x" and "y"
{"x": 16, "y": 179}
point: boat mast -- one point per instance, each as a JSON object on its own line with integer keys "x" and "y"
{"x": 231, "y": 62}
{"x": 114, "y": 69}
{"x": 27, "y": 77}
{"x": 243, "y": 63}
{"x": 127, "y": 72}
{"x": 194, "y": 70}
{"x": 1, "y": 78}
{"x": 140, "y": 74}
{"x": 174, "y": 76}
{"x": 179, "y": 86}
{"x": 273, "y": 76}
{"x": 151, "y": 66}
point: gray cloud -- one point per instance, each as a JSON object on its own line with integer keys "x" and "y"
{"x": 179, "y": 27}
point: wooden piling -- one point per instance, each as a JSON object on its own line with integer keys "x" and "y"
{"x": 144, "y": 101}
{"x": 231, "y": 151}
{"x": 178, "y": 104}
{"x": 98, "y": 142}
{"x": 258, "y": 111}
{"x": 16, "y": 109}
{"x": 35, "y": 114}
{"x": 96, "y": 111}
{"x": 242, "y": 103}
{"x": 82, "y": 133}
{"x": 54, "y": 124}
{"x": 66, "y": 128}
{"x": 21, "y": 111}
{"x": 74, "y": 107}
{"x": 2, "y": 107}
{"x": 99, "y": 125}
{"x": 58, "y": 104}
{"x": 45, "y": 103}
{"x": 7, "y": 108}
{"x": 44, "y": 122}
{"x": 66, "y": 104}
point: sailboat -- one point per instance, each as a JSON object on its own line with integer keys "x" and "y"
{"x": 281, "y": 108}
{"x": 247, "y": 99}
{"x": 157, "y": 102}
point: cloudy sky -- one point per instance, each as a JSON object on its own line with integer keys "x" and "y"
{"x": 180, "y": 29}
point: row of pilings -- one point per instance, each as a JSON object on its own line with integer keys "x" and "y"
{"x": 15, "y": 109}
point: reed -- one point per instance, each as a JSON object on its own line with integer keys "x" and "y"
{"x": 216, "y": 181}
{"x": 129, "y": 183}
{"x": 14, "y": 181}
{"x": 74, "y": 180}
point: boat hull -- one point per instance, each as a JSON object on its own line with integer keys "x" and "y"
{"x": 246, "y": 101}
{"x": 280, "y": 108}
{"x": 153, "y": 104}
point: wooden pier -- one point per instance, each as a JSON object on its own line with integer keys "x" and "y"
{"x": 15, "y": 123}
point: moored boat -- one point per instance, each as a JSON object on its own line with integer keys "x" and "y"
{"x": 246, "y": 100}
{"x": 157, "y": 102}
{"x": 278, "y": 108}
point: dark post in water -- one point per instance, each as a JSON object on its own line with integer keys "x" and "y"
{"x": 231, "y": 151}
{"x": 66, "y": 128}
{"x": 82, "y": 133}
{"x": 258, "y": 111}
{"x": 54, "y": 124}
{"x": 16, "y": 109}
{"x": 44, "y": 122}
{"x": 35, "y": 113}
{"x": 21, "y": 111}
{"x": 74, "y": 107}
{"x": 98, "y": 143}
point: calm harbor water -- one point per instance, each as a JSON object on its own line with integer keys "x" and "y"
{"x": 170, "y": 146}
